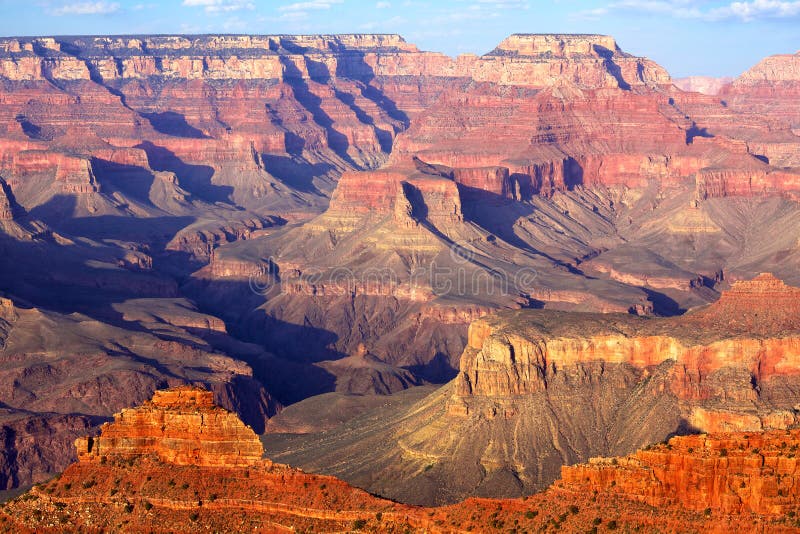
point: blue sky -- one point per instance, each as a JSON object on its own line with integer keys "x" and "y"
{"x": 714, "y": 37}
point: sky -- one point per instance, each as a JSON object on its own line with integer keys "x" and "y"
{"x": 700, "y": 37}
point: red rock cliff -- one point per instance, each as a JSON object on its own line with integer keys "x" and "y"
{"x": 181, "y": 426}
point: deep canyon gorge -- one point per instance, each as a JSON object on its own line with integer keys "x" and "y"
{"x": 446, "y": 281}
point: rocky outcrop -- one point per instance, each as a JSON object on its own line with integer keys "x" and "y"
{"x": 708, "y": 483}
{"x": 730, "y": 473}
{"x": 9, "y": 209}
{"x": 180, "y": 426}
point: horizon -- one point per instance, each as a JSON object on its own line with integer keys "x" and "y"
{"x": 702, "y": 38}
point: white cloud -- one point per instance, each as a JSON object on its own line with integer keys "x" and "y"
{"x": 388, "y": 24}
{"x": 745, "y": 10}
{"x": 218, "y": 6}
{"x": 86, "y": 8}
{"x": 502, "y": 4}
{"x": 309, "y": 5}
{"x": 756, "y": 9}
{"x": 383, "y": 5}
{"x": 293, "y": 16}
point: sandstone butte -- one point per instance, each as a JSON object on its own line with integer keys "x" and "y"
{"x": 180, "y": 463}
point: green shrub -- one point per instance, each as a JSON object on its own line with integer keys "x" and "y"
{"x": 612, "y": 525}
{"x": 358, "y": 524}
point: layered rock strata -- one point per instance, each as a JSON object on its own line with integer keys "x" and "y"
{"x": 710, "y": 483}
{"x": 181, "y": 426}
{"x": 538, "y": 390}
{"x": 769, "y": 88}
{"x": 732, "y": 473}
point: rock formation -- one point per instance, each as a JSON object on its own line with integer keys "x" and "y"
{"x": 732, "y": 473}
{"x": 9, "y": 209}
{"x": 561, "y": 157}
{"x": 180, "y": 462}
{"x": 770, "y": 89}
{"x": 538, "y": 390}
{"x": 63, "y": 374}
{"x": 180, "y": 426}
{"x": 239, "y": 211}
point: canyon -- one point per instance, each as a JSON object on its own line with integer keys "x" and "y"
{"x": 290, "y": 220}
{"x": 538, "y": 390}
{"x": 181, "y": 462}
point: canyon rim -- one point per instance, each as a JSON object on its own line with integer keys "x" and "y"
{"x": 335, "y": 282}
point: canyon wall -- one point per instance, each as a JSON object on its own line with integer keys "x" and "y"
{"x": 710, "y": 483}
{"x": 540, "y": 389}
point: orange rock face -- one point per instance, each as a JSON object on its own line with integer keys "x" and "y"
{"x": 713, "y": 483}
{"x": 732, "y": 473}
{"x": 753, "y": 325}
{"x": 181, "y": 426}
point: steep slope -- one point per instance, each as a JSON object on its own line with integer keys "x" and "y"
{"x": 538, "y": 390}
{"x": 179, "y": 462}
